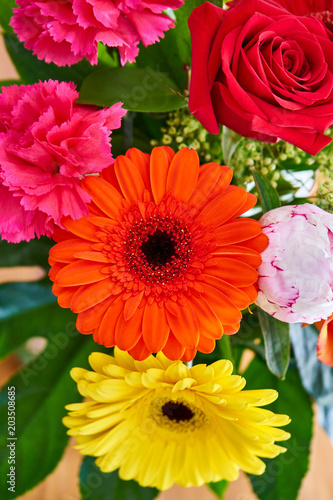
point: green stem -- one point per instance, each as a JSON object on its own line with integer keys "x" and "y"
{"x": 224, "y": 346}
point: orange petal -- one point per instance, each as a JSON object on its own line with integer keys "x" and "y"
{"x": 244, "y": 254}
{"x": 129, "y": 178}
{"x": 206, "y": 344}
{"x": 129, "y": 332}
{"x": 251, "y": 291}
{"x": 88, "y": 320}
{"x": 231, "y": 329}
{"x": 183, "y": 174}
{"x": 155, "y": 328}
{"x": 105, "y": 331}
{"x": 236, "y": 295}
{"x": 81, "y": 227}
{"x": 132, "y": 304}
{"x": 224, "y": 309}
{"x": 188, "y": 355}
{"x": 233, "y": 271}
{"x": 173, "y": 349}
{"x": 325, "y": 343}
{"x": 259, "y": 243}
{"x": 223, "y": 207}
{"x": 139, "y": 351}
{"x": 65, "y": 296}
{"x": 185, "y": 326}
{"x": 89, "y": 295}
{"x": 159, "y": 166}
{"x": 141, "y": 160}
{"x": 80, "y": 273}
{"x": 209, "y": 324}
{"x": 55, "y": 269}
{"x": 250, "y": 202}
{"x": 209, "y": 175}
{"x": 105, "y": 196}
{"x": 65, "y": 250}
{"x": 237, "y": 231}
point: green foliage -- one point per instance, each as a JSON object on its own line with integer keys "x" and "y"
{"x": 284, "y": 474}
{"x": 277, "y": 343}
{"x": 138, "y": 89}
{"x": 269, "y": 198}
{"x": 31, "y": 69}
{"x": 97, "y": 485}
{"x": 42, "y": 390}
{"x": 219, "y": 488}
{"x": 6, "y": 13}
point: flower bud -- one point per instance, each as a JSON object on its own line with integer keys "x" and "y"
{"x": 296, "y": 275}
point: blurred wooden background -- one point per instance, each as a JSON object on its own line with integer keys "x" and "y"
{"x": 62, "y": 483}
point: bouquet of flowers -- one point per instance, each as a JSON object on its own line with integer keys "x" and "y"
{"x": 166, "y": 199}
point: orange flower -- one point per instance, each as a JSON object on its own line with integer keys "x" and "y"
{"x": 161, "y": 263}
{"x": 325, "y": 341}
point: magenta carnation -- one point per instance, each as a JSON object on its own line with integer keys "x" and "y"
{"x": 65, "y": 31}
{"x": 47, "y": 144}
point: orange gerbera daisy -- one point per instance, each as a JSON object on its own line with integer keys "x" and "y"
{"x": 161, "y": 263}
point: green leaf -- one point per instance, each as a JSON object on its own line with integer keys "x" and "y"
{"x": 31, "y": 69}
{"x": 34, "y": 252}
{"x": 42, "y": 389}
{"x": 40, "y": 320}
{"x": 138, "y": 89}
{"x": 219, "y": 488}
{"x": 97, "y": 485}
{"x": 277, "y": 343}
{"x": 284, "y": 474}
{"x": 6, "y": 12}
{"x": 18, "y": 297}
{"x": 269, "y": 198}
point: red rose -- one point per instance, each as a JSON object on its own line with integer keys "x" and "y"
{"x": 263, "y": 72}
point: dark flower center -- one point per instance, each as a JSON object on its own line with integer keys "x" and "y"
{"x": 159, "y": 248}
{"x": 177, "y": 411}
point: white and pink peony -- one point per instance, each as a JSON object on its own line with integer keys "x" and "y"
{"x": 296, "y": 275}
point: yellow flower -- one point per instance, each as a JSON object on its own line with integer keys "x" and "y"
{"x": 161, "y": 422}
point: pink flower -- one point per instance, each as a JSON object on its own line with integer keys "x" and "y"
{"x": 296, "y": 275}
{"x": 47, "y": 144}
{"x": 64, "y": 31}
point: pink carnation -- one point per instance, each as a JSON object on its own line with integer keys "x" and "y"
{"x": 64, "y": 31}
{"x": 296, "y": 275}
{"x": 47, "y": 144}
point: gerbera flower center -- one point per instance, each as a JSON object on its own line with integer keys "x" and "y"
{"x": 177, "y": 411}
{"x": 159, "y": 248}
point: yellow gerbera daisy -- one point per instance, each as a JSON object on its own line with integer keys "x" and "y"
{"x": 161, "y": 422}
